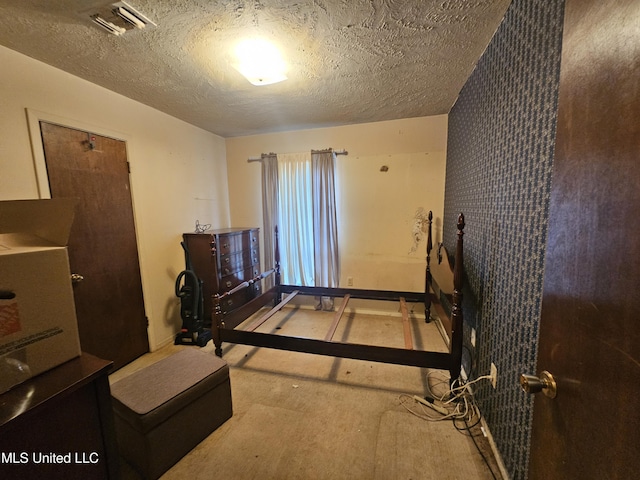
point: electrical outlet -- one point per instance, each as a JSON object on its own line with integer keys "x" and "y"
{"x": 349, "y": 281}
{"x": 494, "y": 375}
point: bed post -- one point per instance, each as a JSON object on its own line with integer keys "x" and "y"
{"x": 217, "y": 324}
{"x": 456, "y": 311}
{"x": 276, "y": 257}
{"x": 427, "y": 277}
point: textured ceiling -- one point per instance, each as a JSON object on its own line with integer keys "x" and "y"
{"x": 349, "y": 61}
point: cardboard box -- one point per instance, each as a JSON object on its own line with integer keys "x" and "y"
{"x": 38, "y": 325}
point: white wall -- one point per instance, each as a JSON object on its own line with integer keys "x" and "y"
{"x": 178, "y": 171}
{"x": 376, "y": 209}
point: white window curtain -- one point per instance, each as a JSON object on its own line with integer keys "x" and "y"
{"x": 299, "y": 198}
{"x": 295, "y": 216}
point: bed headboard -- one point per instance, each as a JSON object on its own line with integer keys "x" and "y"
{"x": 446, "y": 282}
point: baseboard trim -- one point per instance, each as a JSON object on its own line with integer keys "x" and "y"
{"x": 494, "y": 448}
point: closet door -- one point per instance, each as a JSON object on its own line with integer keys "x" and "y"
{"x": 102, "y": 245}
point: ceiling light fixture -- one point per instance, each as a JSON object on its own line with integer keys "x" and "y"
{"x": 260, "y": 62}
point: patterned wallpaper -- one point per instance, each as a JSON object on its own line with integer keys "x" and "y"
{"x": 499, "y": 162}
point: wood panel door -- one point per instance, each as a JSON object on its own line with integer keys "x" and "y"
{"x": 102, "y": 245}
{"x": 590, "y": 326}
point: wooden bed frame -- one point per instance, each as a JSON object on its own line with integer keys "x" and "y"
{"x": 443, "y": 290}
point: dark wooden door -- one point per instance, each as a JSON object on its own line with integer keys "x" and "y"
{"x": 102, "y": 245}
{"x": 590, "y": 328}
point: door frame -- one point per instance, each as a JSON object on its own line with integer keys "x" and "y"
{"x": 34, "y": 117}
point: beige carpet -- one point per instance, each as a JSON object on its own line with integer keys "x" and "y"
{"x": 411, "y": 448}
{"x": 303, "y": 416}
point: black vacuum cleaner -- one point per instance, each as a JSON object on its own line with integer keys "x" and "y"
{"x": 189, "y": 290}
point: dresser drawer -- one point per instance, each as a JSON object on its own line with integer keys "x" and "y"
{"x": 237, "y": 242}
{"x": 253, "y": 238}
{"x": 238, "y": 299}
{"x": 230, "y": 281}
{"x": 233, "y": 262}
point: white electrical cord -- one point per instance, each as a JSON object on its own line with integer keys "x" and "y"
{"x": 455, "y": 403}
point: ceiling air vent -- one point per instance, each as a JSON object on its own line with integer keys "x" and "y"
{"x": 118, "y": 18}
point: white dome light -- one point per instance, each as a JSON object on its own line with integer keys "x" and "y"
{"x": 260, "y": 62}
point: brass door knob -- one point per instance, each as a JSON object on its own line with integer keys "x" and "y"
{"x": 545, "y": 384}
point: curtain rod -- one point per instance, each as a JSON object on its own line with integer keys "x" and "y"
{"x": 337, "y": 152}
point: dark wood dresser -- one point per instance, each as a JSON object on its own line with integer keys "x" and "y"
{"x": 59, "y": 424}
{"x": 223, "y": 259}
